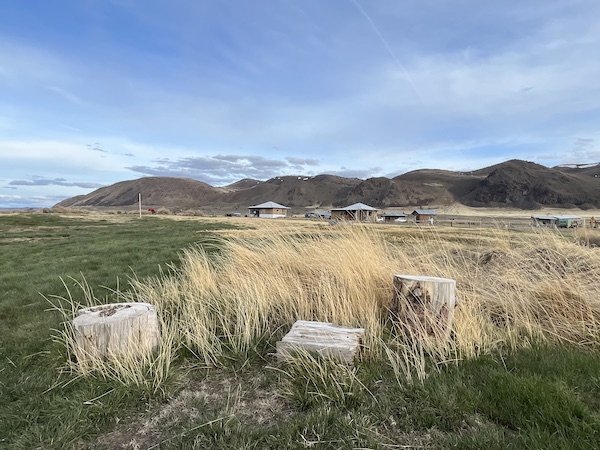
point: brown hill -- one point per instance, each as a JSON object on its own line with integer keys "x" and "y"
{"x": 246, "y": 183}
{"x": 294, "y": 191}
{"x": 515, "y": 183}
{"x": 383, "y": 192}
{"x": 527, "y": 185}
{"x": 458, "y": 184}
{"x": 156, "y": 191}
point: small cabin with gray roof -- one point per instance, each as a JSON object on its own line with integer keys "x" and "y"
{"x": 268, "y": 210}
{"x": 394, "y": 217}
{"x": 557, "y": 221}
{"x": 424, "y": 215}
{"x": 358, "y": 211}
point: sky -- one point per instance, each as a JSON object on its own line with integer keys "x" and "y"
{"x": 93, "y": 92}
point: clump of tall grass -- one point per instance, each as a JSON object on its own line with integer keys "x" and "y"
{"x": 310, "y": 380}
{"x": 256, "y": 287}
{"x": 514, "y": 288}
{"x": 144, "y": 367}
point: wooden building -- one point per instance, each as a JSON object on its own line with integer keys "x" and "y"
{"x": 394, "y": 217}
{"x": 318, "y": 215}
{"x": 424, "y": 215}
{"x": 358, "y": 211}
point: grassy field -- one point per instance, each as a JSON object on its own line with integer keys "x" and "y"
{"x": 522, "y": 370}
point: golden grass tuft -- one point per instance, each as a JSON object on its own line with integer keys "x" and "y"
{"x": 141, "y": 367}
{"x": 514, "y": 289}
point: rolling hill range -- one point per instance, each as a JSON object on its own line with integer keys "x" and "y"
{"x": 514, "y": 183}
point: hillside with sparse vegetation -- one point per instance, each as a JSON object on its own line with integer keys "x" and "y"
{"x": 514, "y": 184}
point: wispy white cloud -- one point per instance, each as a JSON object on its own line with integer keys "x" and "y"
{"x": 302, "y": 161}
{"x": 69, "y": 96}
{"x": 584, "y": 149}
{"x": 30, "y": 201}
{"x": 43, "y": 181}
{"x": 356, "y": 173}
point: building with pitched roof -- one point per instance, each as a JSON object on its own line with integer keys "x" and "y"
{"x": 268, "y": 210}
{"x": 424, "y": 215}
{"x": 394, "y": 217}
{"x": 358, "y": 211}
{"x": 557, "y": 221}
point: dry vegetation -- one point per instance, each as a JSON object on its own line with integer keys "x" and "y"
{"x": 515, "y": 289}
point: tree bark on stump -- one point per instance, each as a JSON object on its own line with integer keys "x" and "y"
{"x": 424, "y": 306}
{"x": 115, "y": 329}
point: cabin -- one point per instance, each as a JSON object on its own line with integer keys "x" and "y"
{"x": 268, "y": 210}
{"x": 556, "y": 221}
{"x": 568, "y": 221}
{"x": 358, "y": 212}
{"x": 544, "y": 221}
{"x": 424, "y": 215}
{"x": 394, "y": 217}
{"x": 318, "y": 215}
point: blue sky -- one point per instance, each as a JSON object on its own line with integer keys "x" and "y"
{"x": 93, "y": 92}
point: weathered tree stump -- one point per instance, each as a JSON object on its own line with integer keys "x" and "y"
{"x": 323, "y": 339}
{"x": 424, "y": 306}
{"x": 115, "y": 329}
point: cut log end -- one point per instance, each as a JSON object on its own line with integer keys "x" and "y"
{"x": 424, "y": 306}
{"x": 115, "y": 329}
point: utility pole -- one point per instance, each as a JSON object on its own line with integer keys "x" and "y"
{"x": 140, "y": 203}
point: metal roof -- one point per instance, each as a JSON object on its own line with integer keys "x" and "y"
{"x": 356, "y": 207}
{"x": 394, "y": 214}
{"x": 544, "y": 217}
{"x": 425, "y": 212}
{"x": 268, "y": 205}
{"x": 555, "y": 217}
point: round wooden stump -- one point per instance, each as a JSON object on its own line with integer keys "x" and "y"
{"x": 424, "y": 306}
{"x": 115, "y": 329}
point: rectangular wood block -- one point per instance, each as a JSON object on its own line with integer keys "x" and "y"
{"x": 323, "y": 339}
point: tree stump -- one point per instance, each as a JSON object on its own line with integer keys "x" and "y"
{"x": 424, "y": 306}
{"x": 115, "y": 329}
{"x": 323, "y": 339}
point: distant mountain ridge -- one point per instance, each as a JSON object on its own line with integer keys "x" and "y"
{"x": 514, "y": 183}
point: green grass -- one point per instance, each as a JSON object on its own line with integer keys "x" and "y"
{"x": 37, "y": 251}
{"x": 545, "y": 396}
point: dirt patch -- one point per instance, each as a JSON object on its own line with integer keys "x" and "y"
{"x": 220, "y": 397}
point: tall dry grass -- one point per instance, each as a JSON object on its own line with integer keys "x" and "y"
{"x": 514, "y": 289}
{"x": 142, "y": 367}
{"x": 257, "y": 287}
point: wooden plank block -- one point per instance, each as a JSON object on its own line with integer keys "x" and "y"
{"x": 322, "y": 338}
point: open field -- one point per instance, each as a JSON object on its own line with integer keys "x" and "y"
{"x": 520, "y": 372}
